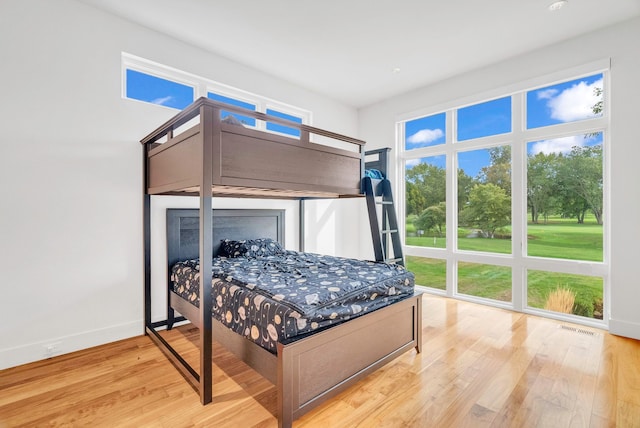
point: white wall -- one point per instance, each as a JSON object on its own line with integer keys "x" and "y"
{"x": 620, "y": 43}
{"x": 70, "y": 173}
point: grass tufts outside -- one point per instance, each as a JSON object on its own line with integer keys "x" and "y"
{"x": 561, "y": 300}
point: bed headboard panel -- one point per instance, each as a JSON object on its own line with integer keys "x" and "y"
{"x": 183, "y": 226}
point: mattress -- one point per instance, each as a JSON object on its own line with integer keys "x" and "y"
{"x": 282, "y": 297}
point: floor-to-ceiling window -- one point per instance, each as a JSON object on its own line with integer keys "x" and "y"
{"x": 505, "y": 198}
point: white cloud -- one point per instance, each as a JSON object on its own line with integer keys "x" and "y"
{"x": 162, "y": 101}
{"x": 574, "y": 103}
{"x": 546, "y": 94}
{"x": 437, "y": 161}
{"x": 558, "y": 145}
{"x": 425, "y": 136}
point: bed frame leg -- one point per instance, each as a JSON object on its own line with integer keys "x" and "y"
{"x": 285, "y": 389}
{"x": 418, "y": 321}
{"x": 171, "y": 318}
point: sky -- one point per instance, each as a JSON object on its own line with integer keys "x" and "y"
{"x": 564, "y": 102}
{"x": 144, "y": 87}
{"x": 155, "y": 90}
{"x": 251, "y": 121}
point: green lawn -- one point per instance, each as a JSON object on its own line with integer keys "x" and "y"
{"x": 492, "y": 282}
{"x": 429, "y": 272}
{"x": 565, "y": 240}
{"x": 559, "y": 238}
{"x": 488, "y": 281}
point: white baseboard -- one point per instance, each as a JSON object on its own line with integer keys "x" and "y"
{"x": 19, "y": 355}
{"x": 624, "y": 328}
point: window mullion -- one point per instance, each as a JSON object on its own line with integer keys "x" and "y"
{"x": 518, "y": 204}
{"x": 451, "y": 202}
{"x": 201, "y": 90}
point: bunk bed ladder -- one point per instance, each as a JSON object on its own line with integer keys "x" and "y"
{"x": 374, "y": 189}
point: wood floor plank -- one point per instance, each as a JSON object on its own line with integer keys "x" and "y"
{"x": 514, "y": 408}
{"x": 605, "y": 399}
{"x": 628, "y": 373}
{"x": 628, "y": 414}
{"x": 480, "y": 367}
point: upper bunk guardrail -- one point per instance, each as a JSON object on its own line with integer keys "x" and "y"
{"x": 193, "y": 110}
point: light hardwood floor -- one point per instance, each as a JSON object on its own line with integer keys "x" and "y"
{"x": 480, "y": 367}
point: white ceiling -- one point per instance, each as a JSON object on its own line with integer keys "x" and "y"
{"x": 348, "y": 49}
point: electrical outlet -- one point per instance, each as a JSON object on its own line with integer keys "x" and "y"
{"x": 51, "y": 349}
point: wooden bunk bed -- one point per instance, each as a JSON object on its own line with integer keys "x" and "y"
{"x": 197, "y": 153}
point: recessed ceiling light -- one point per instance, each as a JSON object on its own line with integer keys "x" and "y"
{"x": 395, "y": 70}
{"x": 557, "y": 5}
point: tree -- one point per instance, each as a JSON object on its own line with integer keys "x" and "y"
{"x": 433, "y": 218}
{"x": 498, "y": 171}
{"x": 465, "y": 184}
{"x": 416, "y": 202}
{"x": 489, "y": 209}
{"x": 571, "y": 205}
{"x": 426, "y": 186}
{"x": 580, "y": 175}
{"x": 542, "y": 189}
{"x": 597, "y": 107}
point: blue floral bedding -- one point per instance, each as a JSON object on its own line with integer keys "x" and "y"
{"x": 286, "y": 294}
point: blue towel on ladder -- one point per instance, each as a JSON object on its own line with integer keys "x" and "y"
{"x": 373, "y": 173}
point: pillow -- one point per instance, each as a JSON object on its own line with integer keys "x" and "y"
{"x": 250, "y": 248}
